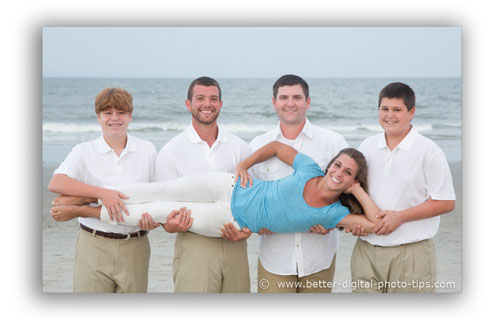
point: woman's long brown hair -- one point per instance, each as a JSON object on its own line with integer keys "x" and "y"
{"x": 348, "y": 200}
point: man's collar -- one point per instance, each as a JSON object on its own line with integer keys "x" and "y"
{"x": 405, "y": 143}
{"x": 195, "y": 138}
{"x": 307, "y": 130}
{"x": 103, "y": 146}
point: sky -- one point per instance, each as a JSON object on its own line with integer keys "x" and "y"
{"x": 244, "y": 52}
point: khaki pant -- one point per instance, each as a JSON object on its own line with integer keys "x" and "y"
{"x": 406, "y": 268}
{"x": 210, "y": 265}
{"x": 109, "y": 265}
{"x": 319, "y": 282}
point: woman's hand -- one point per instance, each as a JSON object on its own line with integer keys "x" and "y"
{"x": 241, "y": 172}
{"x": 352, "y": 188}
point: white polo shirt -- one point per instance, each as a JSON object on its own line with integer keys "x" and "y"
{"x": 95, "y": 163}
{"x": 407, "y": 176}
{"x": 188, "y": 154}
{"x": 297, "y": 253}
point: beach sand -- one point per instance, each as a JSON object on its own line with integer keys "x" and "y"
{"x": 59, "y": 242}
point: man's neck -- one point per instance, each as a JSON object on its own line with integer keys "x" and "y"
{"x": 291, "y": 131}
{"x": 394, "y": 140}
{"x": 117, "y": 144}
{"x": 206, "y": 132}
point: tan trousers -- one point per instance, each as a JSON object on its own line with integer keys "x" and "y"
{"x": 210, "y": 265}
{"x": 109, "y": 265}
{"x": 319, "y": 282}
{"x": 406, "y": 268}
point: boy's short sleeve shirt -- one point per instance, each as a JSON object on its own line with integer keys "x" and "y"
{"x": 415, "y": 171}
{"x": 95, "y": 163}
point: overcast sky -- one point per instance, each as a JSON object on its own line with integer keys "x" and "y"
{"x": 251, "y": 52}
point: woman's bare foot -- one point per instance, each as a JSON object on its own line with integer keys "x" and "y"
{"x": 71, "y": 200}
{"x": 65, "y": 213}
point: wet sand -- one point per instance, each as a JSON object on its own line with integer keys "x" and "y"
{"x": 59, "y": 241}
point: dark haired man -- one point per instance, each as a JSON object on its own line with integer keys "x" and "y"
{"x": 296, "y": 257}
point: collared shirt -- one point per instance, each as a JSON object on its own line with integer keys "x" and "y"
{"x": 95, "y": 163}
{"x": 188, "y": 154}
{"x": 415, "y": 171}
{"x": 297, "y": 253}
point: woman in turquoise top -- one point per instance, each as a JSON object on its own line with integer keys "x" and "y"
{"x": 306, "y": 198}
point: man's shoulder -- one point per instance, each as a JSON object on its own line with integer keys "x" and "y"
{"x": 174, "y": 142}
{"x": 325, "y": 132}
{"x": 262, "y": 139}
{"x": 233, "y": 138}
{"x": 426, "y": 145}
{"x": 370, "y": 141}
{"x": 320, "y": 133}
{"x": 142, "y": 142}
{"x": 87, "y": 146}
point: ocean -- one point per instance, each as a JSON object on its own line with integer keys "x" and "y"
{"x": 345, "y": 105}
{"x": 348, "y": 106}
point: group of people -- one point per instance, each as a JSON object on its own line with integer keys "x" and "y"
{"x": 213, "y": 190}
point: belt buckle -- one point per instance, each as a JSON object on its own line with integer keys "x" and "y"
{"x": 128, "y": 237}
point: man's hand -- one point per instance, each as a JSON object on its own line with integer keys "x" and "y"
{"x": 146, "y": 223}
{"x": 357, "y": 230}
{"x": 229, "y": 232}
{"x": 178, "y": 221}
{"x": 391, "y": 220}
{"x": 112, "y": 200}
{"x": 319, "y": 229}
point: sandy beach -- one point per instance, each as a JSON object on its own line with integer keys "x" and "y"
{"x": 59, "y": 241}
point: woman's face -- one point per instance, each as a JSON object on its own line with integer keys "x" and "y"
{"x": 341, "y": 174}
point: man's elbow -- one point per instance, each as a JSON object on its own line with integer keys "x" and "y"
{"x": 450, "y": 205}
{"x": 446, "y": 206}
{"x": 55, "y": 184}
{"x": 52, "y": 187}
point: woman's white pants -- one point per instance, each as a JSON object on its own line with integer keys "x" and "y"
{"x": 207, "y": 195}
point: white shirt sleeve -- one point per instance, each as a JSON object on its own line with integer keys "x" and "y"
{"x": 73, "y": 166}
{"x": 439, "y": 179}
{"x": 165, "y": 167}
{"x": 152, "y": 164}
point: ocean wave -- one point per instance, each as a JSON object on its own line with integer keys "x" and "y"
{"x": 233, "y": 127}
{"x": 134, "y": 127}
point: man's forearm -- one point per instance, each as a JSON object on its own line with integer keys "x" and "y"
{"x": 65, "y": 185}
{"x": 428, "y": 209}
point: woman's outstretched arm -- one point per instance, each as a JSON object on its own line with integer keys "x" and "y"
{"x": 282, "y": 151}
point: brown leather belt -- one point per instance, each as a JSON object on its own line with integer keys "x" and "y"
{"x": 112, "y": 235}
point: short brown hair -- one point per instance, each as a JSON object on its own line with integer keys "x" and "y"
{"x": 203, "y": 81}
{"x": 291, "y": 80}
{"x": 398, "y": 90}
{"x": 114, "y": 98}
